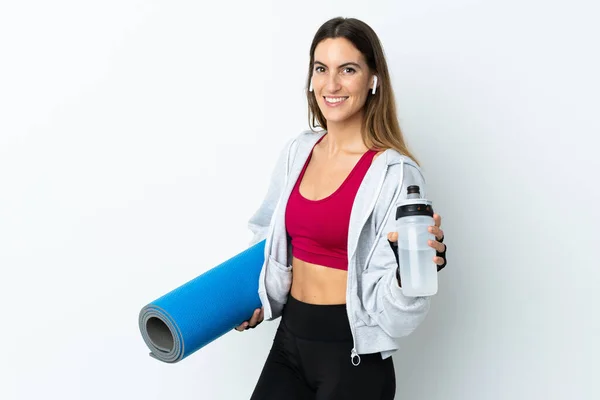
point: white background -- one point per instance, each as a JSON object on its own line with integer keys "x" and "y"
{"x": 136, "y": 139}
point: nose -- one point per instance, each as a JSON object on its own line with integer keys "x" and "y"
{"x": 333, "y": 83}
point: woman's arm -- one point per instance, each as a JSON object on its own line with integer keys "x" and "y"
{"x": 383, "y": 298}
{"x": 261, "y": 219}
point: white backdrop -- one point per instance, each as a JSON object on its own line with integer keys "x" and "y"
{"x": 136, "y": 139}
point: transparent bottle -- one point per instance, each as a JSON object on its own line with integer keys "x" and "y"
{"x": 418, "y": 271}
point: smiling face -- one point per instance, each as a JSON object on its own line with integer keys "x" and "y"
{"x": 341, "y": 80}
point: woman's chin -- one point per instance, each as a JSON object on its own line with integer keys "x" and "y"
{"x": 336, "y": 116}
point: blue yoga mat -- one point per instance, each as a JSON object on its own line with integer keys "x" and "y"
{"x": 191, "y": 316}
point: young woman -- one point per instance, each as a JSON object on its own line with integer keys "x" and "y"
{"x": 330, "y": 271}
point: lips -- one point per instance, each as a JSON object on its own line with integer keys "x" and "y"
{"x": 335, "y": 101}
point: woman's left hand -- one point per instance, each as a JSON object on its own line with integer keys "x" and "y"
{"x": 439, "y": 247}
{"x": 437, "y": 244}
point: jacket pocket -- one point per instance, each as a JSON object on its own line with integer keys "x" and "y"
{"x": 278, "y": 280}
{"x": 364, "y": 319}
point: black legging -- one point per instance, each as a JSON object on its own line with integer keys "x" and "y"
{"x": 310, "y": 359}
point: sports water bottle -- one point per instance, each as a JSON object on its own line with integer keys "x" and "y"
{"x": 418, "y": 271}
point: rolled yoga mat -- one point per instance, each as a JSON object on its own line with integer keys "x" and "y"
{"x": 191, "y": 316}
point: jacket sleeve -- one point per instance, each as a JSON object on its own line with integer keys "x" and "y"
{"x": 398, "y": 315}
{"x": 260, "y": 221}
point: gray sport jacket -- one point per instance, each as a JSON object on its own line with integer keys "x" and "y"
{"x": 378, "y": 311}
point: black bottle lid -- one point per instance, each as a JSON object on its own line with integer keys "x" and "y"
{"x": 412, "y": 189}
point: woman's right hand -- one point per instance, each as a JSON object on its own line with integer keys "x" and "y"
{"x": 257, "y": 318}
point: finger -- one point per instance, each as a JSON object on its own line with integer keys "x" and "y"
{"x": 437, "y": 232}
{"x": 261, "y": 315}
{"x": 439, "y": 247}
{"x": 438, "y": 219}
{"x": 254, "y": 319}
{"x": 393, "y": 236}
{"x": 242, "y": 327}
{"x": 250, "y": 323}
{"x": 438, "y": 260}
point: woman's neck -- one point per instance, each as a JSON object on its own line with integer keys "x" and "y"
{"x": 344, "y": 137}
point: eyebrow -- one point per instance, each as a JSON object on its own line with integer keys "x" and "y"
{"x": 343, "y": 65}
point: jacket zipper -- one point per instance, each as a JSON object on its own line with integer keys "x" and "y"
{"x": 354, "y": 353}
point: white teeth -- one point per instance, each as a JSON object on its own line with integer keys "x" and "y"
{"x": 335, "y": 99}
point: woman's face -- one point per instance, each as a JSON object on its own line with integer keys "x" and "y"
{"x": 341, "y": 79}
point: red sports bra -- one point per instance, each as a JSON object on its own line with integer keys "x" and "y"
{"x": 319, "y": 228}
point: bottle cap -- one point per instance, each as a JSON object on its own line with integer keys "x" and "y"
{"x": 413, "y": 189}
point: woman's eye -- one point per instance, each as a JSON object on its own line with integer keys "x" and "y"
{"x": 346, "y": 70}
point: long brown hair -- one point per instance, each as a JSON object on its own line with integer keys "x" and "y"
{"x": 380, "y": 127}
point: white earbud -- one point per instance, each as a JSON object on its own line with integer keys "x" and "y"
{"x": 374, "y": 84}
{"x": 310, "y": 88}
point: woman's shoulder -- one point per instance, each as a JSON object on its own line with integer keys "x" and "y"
{"x": 400, "y": 168}
{"x": 380, "y": 152}
{"x": 393, "y": 157}
{"x": 305, "y": 137}
{"x": 309, "y": 135}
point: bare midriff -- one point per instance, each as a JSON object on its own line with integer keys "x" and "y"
{"x": 318, "y": 284}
